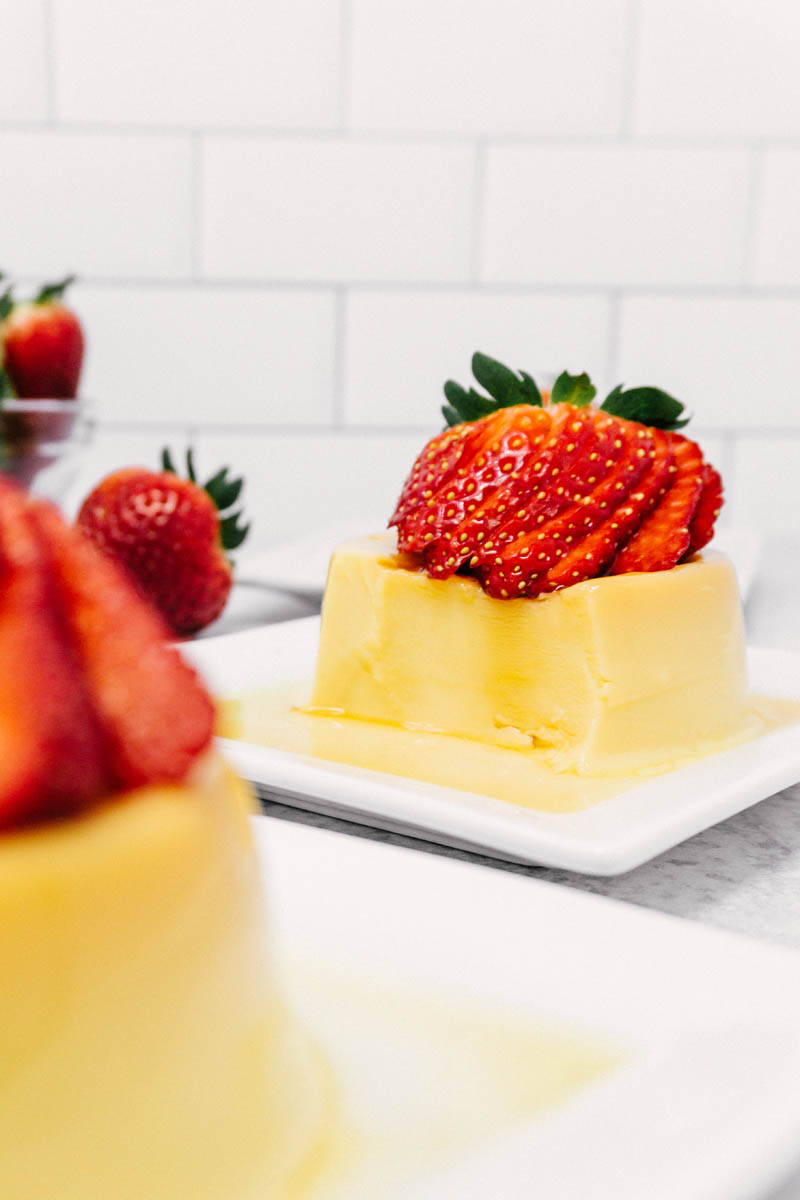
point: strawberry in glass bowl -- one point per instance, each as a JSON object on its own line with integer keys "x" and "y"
{"x": 44, "y": 424}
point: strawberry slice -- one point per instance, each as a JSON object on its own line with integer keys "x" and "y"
{"x": 701, "y": 530}
{"x": 524, "y": 567}
{"x": 487, "y": 452}
{"x": 470, "y": 507}
{"x": 52, "y": 750}
{"x": 433, "y": 466}
{"x": 591, "y": 556}
{"x": 663, "y": 538}
{"x": 156, "y": 715}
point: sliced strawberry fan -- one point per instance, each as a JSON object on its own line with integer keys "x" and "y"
{"x": 533, "y": 492}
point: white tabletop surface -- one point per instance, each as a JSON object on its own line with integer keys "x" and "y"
{"x": 742, "y": 875}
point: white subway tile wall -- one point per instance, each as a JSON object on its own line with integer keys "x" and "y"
{"x": 614, "y": 215}
{"x": 292, "y": 221}
{"x": 218, "y": 356}
{"x": 109, "y": 205}
{"x": 401, "y": 346}
{"x": 190, "y": 63}
{"x": 24, "y": 94}
{"x": 487, "y": 66}
{"x": 321, "y": 209}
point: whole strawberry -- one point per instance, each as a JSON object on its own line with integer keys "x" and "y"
{"x": 171, "y": 535}
{"x": 43, "y": 346}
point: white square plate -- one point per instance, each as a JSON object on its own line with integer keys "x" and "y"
{"x": 606, "y": 839}
{"x": 706, "y": 1105}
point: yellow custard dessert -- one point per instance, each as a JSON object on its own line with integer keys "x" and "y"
{"x": 555, "y": 703}
{"x": 605, "y": 677}
{"x": 145, "y": 1048}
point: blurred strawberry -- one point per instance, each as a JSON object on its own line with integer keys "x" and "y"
{"x": 42, "y": 345}
{"x": 154, "y": 712}
{"x": 171, "y": 535}
{"x": 93, "y": 700}
{"x": 52, "y": 747}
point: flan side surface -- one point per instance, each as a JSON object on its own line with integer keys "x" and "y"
{"x": 145, "y": 1047}
{"x": 614, "y": 674}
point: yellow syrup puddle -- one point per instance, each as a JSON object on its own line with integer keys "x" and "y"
{"x": 276, "y": 718}
{"x": 421, "y": 1078}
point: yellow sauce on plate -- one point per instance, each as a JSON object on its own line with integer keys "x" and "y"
{"x": 279, "y": 718}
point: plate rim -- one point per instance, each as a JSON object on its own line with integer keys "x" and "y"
{"x": 590, "y": 924}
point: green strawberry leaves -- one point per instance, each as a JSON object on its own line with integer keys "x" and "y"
{"x": 53, "y": 291}
{"x": 223, "y": 491}
{"x": 6, "y": 303}
{"x": 231, "y": 532}
{"x": 504, "y": 386}
{"x": 6, "y": 387}
{"x": 573, "y": 389}
{"x": 6, "y": 390}
{"x": 647, "y": 405}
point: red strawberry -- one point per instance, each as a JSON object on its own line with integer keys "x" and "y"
{"x": 43, "y": 346}
{"x": 581, "y": 540}
{"x": 93, "y": 700}
{"x": 52, "y": 750}
{"x": 476, "y": 500}
{"x": 592, "y": 555}
{"x": 156, "y": 715}
{"x": 171, "y": 538}
{"x": 707, "y": 511}
{"x": 533, "y": 497}
{"x": 663, "y": 537}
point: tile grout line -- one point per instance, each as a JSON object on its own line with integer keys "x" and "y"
{"x": 477, "y": 210}
{"x": 630, "y": 64}
{"x": 751, "y": 214}
{"x": 380, "y": 137}
{"x": 498, "y": 288}
{"x": 49, "y": 61}
{"x": 245, "y": 429}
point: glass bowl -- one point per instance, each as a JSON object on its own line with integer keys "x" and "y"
{"x": 42, "y": 442}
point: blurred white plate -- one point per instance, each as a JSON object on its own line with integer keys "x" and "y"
{"x": 606, "y": 839}
{"x": 706, "y": 1107}
{"x": 301, "y": 566}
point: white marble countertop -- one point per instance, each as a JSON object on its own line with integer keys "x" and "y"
{"x": 741, "y": 875}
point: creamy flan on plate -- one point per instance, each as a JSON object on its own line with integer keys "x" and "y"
{"x": 548, "y": 625}
{"x": 145, "y": 1047}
